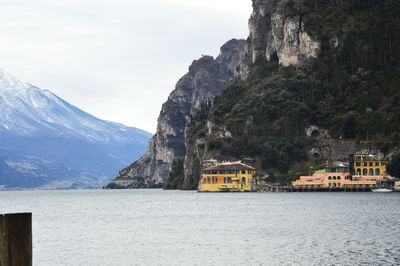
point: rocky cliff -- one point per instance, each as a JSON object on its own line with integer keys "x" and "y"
{"x": 321, "y": 87}
{"x": 207, "y": 77}
{"x": 272, "y": 33}
{"x": 305, "y": 64}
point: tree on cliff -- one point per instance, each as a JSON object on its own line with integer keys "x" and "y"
{"x": 393, "y": 168}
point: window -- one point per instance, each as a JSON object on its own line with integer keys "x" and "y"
{"x": 221, "y": 172}
{"x": 229, "y": 180}
{"x": 365, "y": 164}
{"x": 216, "y": 180}
{"x": 338, "y": 178}
{"x": 243, "y": 172}
{"x": 249, "y": 171}
{"x": 358, "y": 164}
{"x": 204, "y": 180}
{"x": 329, "y": 178}
{"x": 371, "y": 171}
{"x": 359, "y": 171}
{"x": 377, "y": 164}
{"x": 214, "y": 172}
{"x": 334, "y": 178}
{"x": 224, "y": 180}
{"x": 365, "y": 171}
{"x": 377, "y": 171}
{"x": 243, "y": 180}
{"x": 383, "y": 164}
{"x": 209, "y": 180}
{"x": 371, "y": 164}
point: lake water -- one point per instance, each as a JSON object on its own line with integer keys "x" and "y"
{"x": 155, "y": 227}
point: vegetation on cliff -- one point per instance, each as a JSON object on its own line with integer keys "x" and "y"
{"x": 393, "y": 167}
{"x": 351, "y": 89}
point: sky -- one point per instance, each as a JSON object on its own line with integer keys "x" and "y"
{"x": 115, "y": 59}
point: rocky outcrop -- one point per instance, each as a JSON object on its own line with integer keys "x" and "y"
{"x": 274, "y": 33}
{"x": 207, "y": 78}
{"x": 271, "y": 33}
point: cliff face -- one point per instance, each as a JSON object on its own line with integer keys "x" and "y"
{"x": 287, "y": 119}
{"x": 272, "y": 32}
{"x": 207, "y": 77}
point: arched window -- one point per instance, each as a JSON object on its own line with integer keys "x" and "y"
{"x": 371, "y": 171}
{"x": 334, "y": 178}
{"x": 329, "y": 178}
{"x": 377, "y": 171}
{"x": 315, "y": 134}
{"x": 243, "y": 180}
{"x": 358, "y": 171}
{"x": 365, "y": 171}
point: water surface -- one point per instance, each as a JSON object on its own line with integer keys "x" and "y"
{"x": 155, "y": 227}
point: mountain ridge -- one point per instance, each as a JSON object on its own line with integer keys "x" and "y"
{"x": 38, "y": 127}
{"x": 206, "y": 78}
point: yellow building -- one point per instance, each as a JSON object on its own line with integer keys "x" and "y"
{"x": 367, "y": 165}
{"x": 227, "y": 177}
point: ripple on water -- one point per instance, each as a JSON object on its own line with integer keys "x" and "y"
{"x": 154, "y": 227}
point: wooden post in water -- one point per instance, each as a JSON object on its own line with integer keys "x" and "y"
{"x": 16, "y": 239}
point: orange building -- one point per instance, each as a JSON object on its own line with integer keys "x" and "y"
{"x": 369, "y": 173}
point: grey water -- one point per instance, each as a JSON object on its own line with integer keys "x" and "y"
{"x": 155, "y": 227}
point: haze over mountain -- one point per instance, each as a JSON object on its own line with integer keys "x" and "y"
{"x": 47, "y": 142}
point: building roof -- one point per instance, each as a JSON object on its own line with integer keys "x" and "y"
{"x": 229, "y": 166}
{"x": 371, "y": 157}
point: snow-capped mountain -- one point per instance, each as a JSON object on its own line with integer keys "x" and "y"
{"x": 45, "y": 141}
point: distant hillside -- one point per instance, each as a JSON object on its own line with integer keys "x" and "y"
{"x": 46, "y": 142}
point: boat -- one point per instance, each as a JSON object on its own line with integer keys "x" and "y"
{"x": 382, "y": 190}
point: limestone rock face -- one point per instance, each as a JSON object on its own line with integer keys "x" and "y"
{"x": 207, "y": 78}
{"x": 271, "y": 32}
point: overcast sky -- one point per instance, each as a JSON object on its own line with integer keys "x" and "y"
{"x": 115, "y": 59}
